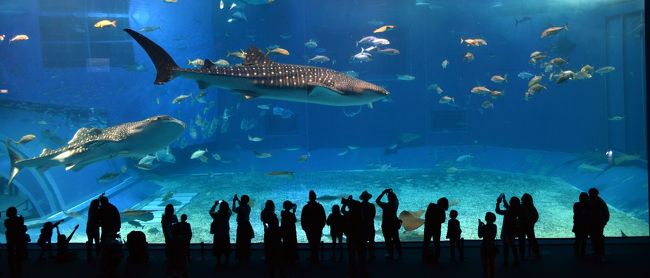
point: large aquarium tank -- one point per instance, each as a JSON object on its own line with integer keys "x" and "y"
{"x": 197, "y": 101}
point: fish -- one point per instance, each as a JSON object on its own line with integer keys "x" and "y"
{"x": 581, "y": 75}
{"x": 587, "y": 68}
{"x": 259, "y": 77}
{"x": 525, "y": 75}
{"x": 499, "y": 78}
{"x": 319, "y": 59}
{"x": 147, "y": 160}
{"x": 165, "y": 155}
{"x": 168, "y": 196}
{"x": 17, "y": 38}
{"x": 480, "y": 90}
{"x": 280, "y": 173}
{"x": 616, "y": 118}
{"x": 196, "y": 62}
{"x": 557, "y": 61}
{"x": 221, "y": 63}
{"x": 262, "y": 155}
{"x": 303, "y": 158}
{"x": 522, "y": 20}
{"x": 536, "y": 79}
{"x": 238, "y": 15}
{"x": 361, "y": 57}
{"x": 291, "y": 148}
{"x": 380, "y": 41}
{"x": 444, "y": 63}
{"x": 2, "y": 38}
{"x": 216, "y": 156}
{"x": 203, "y": 159}
{"x": 409, "y": 137}
{"x": 563, "y": 76}
{"x": 241, "y": 54}
{"x": 170, "y": 1}
{"x": 107, "y": 177}
{"x": 149, "y": 28}
{"x": 496, "y": 94}
{"x": 351, "y": 147}
{"x": 486, "y": 104}
{"x": 232, "y": 6}
{"x": 181, "y": 98}
{"x": 464, "y": 158}
{"x": 123, "y": 169}
{"x": 553, "y": 31}
{"x": 405, "y": 77}
{"x": 366, "y": 40}
{"x": 106, "y": 23}
{"x": 604, "y": 70}
{"x": 446, "y": 100}
{"x": 473, "y": 42}
{"x": 278, "y": 50}
{"x": 435, "y": 87}
{"x": 26, "y": 139}
{"x": 4, "y": 91}
{"x": 311, "y": 43}
{"x": 343, "y": 152}
{"x": 198, "y": 153}
{"x": 384, "y": 28}
{"x": 255, "y": 139}
{"x": 135, "y": 224}
{"x": 410, "y": 221}
{"x": 389, "y": 51}
{"x": 90, "y": 145}
{"x": 153, "y": 231}
{"x": 468, "y": 57}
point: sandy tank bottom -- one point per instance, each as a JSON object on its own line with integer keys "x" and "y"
{"x": 471, "y": 192}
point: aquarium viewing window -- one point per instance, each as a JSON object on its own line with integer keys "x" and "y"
{"x": 196, "y": 101}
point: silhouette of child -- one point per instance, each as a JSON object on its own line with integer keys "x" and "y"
{"x": 45, "y": 239}
{"x": 488, "y": 232}
{"x": 453, "y": 234}
{"x": 63, "y": 254}
{"x": 335, "y": 221}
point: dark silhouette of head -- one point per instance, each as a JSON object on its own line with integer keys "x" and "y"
{"x": 490, "y": 217}
{"x": 47, "y": 225}
{"x": 183, "y": 217}
{"x": 515, "y": 204}
{"x": 453, "y": 214}
{"x": 443, "y": 203}
{"x": 103, "y": 200}
{"x": 269, "y": 205}
{"x": 593, "y": 193}
{"x": 336, "y": 209}
{"x": 245, "y": 199}
{"x": 11, "y": 212}
{"x": 61, "y": 238}
{"x": 94, "y": 205}
{"x": 169, "y": 209}
{"x": 584, "y": 197}
{"x": 527, "y": 199}
{"x": 287, "y": 205}
{"x": 392, "y": 197}
{"x": 365, "y": 196}
{"x": 312, "y": 196}
{"x": 223, "y": 206}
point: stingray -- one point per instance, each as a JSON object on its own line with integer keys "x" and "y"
{"x": 411, "y": 219}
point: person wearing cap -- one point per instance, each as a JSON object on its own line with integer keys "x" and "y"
{"x": 369, "y": 213}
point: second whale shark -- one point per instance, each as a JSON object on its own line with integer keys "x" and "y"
{"x": 259, "y": 77}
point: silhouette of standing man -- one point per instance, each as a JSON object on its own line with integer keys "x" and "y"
{"x": 599, "y": 218}
{"x": 109, "y": 219}
{"x": 433, "y": 219}
{"x": 312, "y": 221}
{"x": 369, "y": 213}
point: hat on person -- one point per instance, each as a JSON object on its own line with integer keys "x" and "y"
{"x": 365, "y": 195}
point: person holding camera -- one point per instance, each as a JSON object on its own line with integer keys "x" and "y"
{"x": 509, "y": 227}
{"x": 45, "y": 239}
{"x": 288, "y": 228}
{"x": 390, "y": 224}
{"x": 353, "y": 220}
{"x": 220, "y": 230}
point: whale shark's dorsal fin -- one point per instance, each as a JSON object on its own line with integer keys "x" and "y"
{"x": 255, "y": 57}
{"x": 84, "y": 133}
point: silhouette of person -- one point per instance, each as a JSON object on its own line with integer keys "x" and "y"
{"x": 355, "y": 236}
{"x": 335, "y": 221}
{"x": 390, "y": 224}
{"x": 369, "y": 213}
{"x": 581, "y": 224}
{"x": 275, "y": 259}
{"x": 244, "y": 229}
{"x": 488, "y": 232}
{"x": 109, "y": 217}
{"x": 453, "y": 234}
{"x": 312, "y": 221}
{"x": 265, "y": 216}
{"x": 528, "y": 216}
{"x": 92, "y": 229}
{"x": 220, "y": 229}
{"x": 599, "y": 216}
{"x": 288, "y": 229}
{"x": 45, "y": 239}
{"x": 62, "y": 242}
{"x": 110, "y": 256}
{"x": 167, "y": 220}
{"x": 184, "y": 233}
{"x": 434, "y": 217}
{"x": 16, "y": 238}
{"x": 181, "y": 235}
{"x": 509, "y": 230}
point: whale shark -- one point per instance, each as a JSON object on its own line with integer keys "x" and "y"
{"x": 89, "y": 145}
{"x": 260, "y": 77}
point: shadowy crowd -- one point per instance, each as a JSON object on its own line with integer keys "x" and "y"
{"x": 354, "y": 219}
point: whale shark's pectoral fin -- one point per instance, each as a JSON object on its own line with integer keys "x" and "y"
{"x": 247, "y": 95}
{"x": 319, "y": 89}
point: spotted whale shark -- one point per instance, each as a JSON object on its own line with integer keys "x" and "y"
{"x": 260, "y": 77}
{"x": 89, "y": 145}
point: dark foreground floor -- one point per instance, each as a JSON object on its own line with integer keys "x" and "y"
{"x": 627, "y": 258}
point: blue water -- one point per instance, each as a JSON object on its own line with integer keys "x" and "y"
{"x": 70, "y": 75}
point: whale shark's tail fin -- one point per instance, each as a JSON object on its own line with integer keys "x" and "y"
{"x": 164, "y": 63}
{"x": 14, "y": 157}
